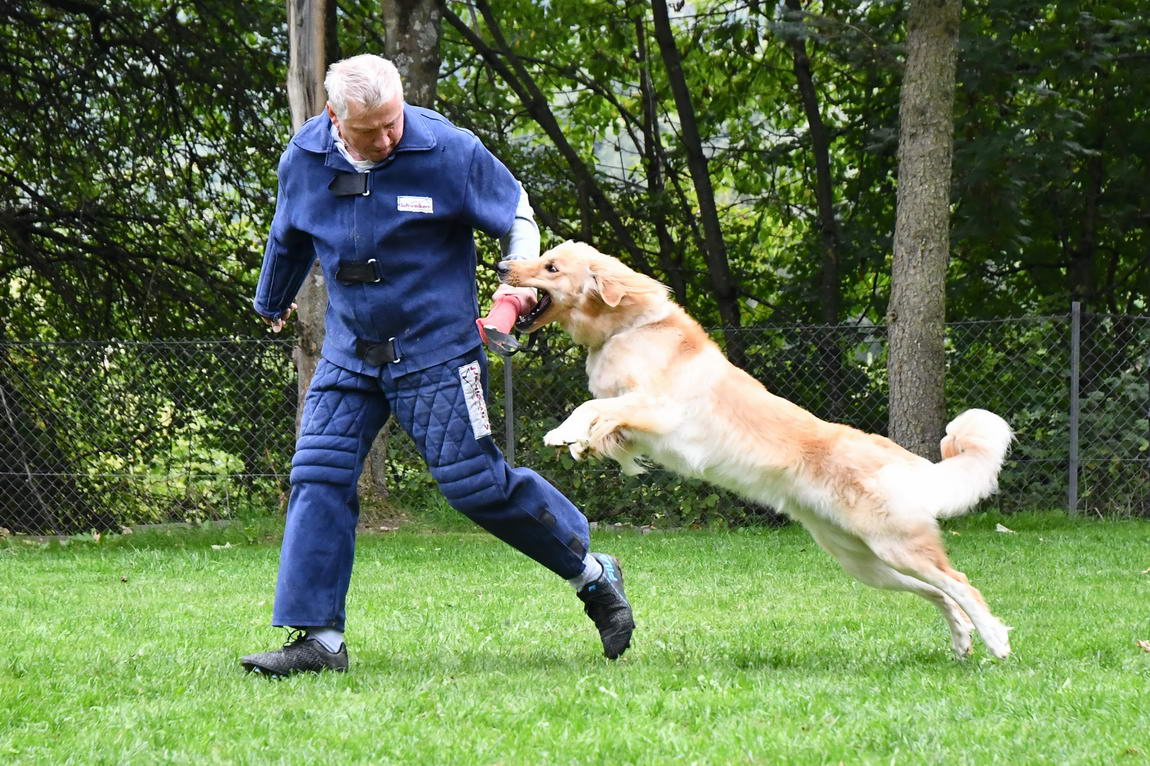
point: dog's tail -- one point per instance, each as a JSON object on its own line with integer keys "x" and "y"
{"x": 973, "y": 449}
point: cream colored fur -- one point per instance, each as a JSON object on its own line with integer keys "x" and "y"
{"x": 665, "y": 392}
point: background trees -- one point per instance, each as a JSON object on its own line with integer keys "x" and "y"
{"x": 136, "y": 164}
{"x": 140, "y": 139}
{"x": 917, "y": 310}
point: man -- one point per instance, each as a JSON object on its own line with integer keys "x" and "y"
{"x": 387, "y": 196}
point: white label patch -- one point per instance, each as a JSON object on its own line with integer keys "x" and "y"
{"x": 415, "y": 205}
{"x": 476, "y": 407}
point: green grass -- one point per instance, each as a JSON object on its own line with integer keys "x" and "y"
{"x": 752, "y": 648}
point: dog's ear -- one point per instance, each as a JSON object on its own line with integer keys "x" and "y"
{"x": 610, "y": 291}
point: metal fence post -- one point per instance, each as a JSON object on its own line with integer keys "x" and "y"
{"x": 1075, "y": 364}
{"x": 508, "y": 413}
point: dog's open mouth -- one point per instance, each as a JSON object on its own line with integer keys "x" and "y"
{"x": 528, "y": 320}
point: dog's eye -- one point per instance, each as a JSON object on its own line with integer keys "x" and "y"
{"x": 552, "y": 267}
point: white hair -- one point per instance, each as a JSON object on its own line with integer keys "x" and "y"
{"x": 366, "y": 79}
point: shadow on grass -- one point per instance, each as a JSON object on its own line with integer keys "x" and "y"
{"x": 844, "y": 661}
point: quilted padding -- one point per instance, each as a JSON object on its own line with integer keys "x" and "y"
{"x": 342, "y": 413}
{"x": 432, "y": 407}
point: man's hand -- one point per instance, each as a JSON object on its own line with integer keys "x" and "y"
{"x": 278, "y": 324}
{"x": 527, "y": 296}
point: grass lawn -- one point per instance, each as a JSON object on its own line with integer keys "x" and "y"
{"x": 752, "y": 647}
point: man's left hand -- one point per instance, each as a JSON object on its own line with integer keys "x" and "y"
{"x": 527, "y": 295}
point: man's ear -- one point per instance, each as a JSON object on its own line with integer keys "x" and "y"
{"x": 609, "y": 290}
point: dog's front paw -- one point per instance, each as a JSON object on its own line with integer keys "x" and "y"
{"x": 564, "y": 436}
{"x": 580, "y": 450}
{"x": 561, "y": 437}
{"x": 631, "y": 467}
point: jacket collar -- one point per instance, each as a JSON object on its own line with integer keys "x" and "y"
{"x": 315, "y": 135}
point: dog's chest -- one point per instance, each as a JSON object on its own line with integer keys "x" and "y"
{"x": 609, "y": 375}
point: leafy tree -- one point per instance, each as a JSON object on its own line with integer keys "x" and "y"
{"x": 1051, "y": 158}
{"x": 134, "y": 164}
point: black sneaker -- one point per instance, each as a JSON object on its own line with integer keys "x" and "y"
{"x": 299, "y": 655}
{"x": 605, "y": 603}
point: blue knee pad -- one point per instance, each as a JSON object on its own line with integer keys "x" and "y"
{"x": 342, "y": 413}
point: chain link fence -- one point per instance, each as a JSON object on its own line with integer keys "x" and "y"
{"x": 110, "y": 434}
{"x": 100, "y": 435}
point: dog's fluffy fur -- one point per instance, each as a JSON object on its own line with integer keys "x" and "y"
{"x": 665, "y": 392}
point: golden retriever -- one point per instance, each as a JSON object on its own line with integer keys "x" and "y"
{"x": 665, "y": 392}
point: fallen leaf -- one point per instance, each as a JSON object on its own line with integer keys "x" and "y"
{"x": 221, "y": 547}
{"x": 1145, "y": 571}
{"x": 955, "y": 532}
{"x": 1005, "y": 530}
{"x": 1144, "y": 645}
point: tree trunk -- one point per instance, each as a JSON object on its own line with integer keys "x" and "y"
{"x": 670, "y": 259}
{"x": 917, "y": 307}
{"x": 412, "y": 31}
{"x": 718, "y": 266}
{"x": 309, "y": 28}
{"x": 830, "y": 286}
{"x": 830, "y": 280}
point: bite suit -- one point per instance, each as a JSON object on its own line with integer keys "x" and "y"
{"x": 397, "y": 252}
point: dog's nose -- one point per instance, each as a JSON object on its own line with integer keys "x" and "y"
{"x": 502, "y": 267}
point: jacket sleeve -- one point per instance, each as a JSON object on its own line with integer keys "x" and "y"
{"x": 492, "y": 194}
{"x": 287, "y": 257}
{"x": 522, "y": 240}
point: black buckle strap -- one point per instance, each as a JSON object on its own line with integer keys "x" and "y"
{"x": 358, "y": 272}
{"x": 376, "y": 352}
{"x": 349, "y": 184}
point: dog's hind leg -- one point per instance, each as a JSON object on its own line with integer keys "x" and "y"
{"x": 923, "y": 558}
{"x": 861, "y": 563}
{"x": 879, "y": 575}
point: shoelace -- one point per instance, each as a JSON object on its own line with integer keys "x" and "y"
{"x": 295, "y": 635}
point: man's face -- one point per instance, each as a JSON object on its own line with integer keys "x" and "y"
{"x": 370, "y": 134}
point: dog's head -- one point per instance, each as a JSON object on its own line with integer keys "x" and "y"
{"x": 581, "y": 289}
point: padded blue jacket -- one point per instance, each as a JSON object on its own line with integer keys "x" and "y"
{"x": 417, "y": 219}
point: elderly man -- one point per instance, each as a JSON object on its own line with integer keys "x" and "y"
{"x": 387, "y": 196}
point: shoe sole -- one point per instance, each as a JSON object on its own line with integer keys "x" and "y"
{"x": 260, "y": 670}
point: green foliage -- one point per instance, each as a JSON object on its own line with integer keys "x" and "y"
{"x": 1051, "y": 158}
{"x": 136, "y": 164}
{"x": 137, "y": 192}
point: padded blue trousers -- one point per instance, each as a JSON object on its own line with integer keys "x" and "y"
{"x": 343, "y": 412}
